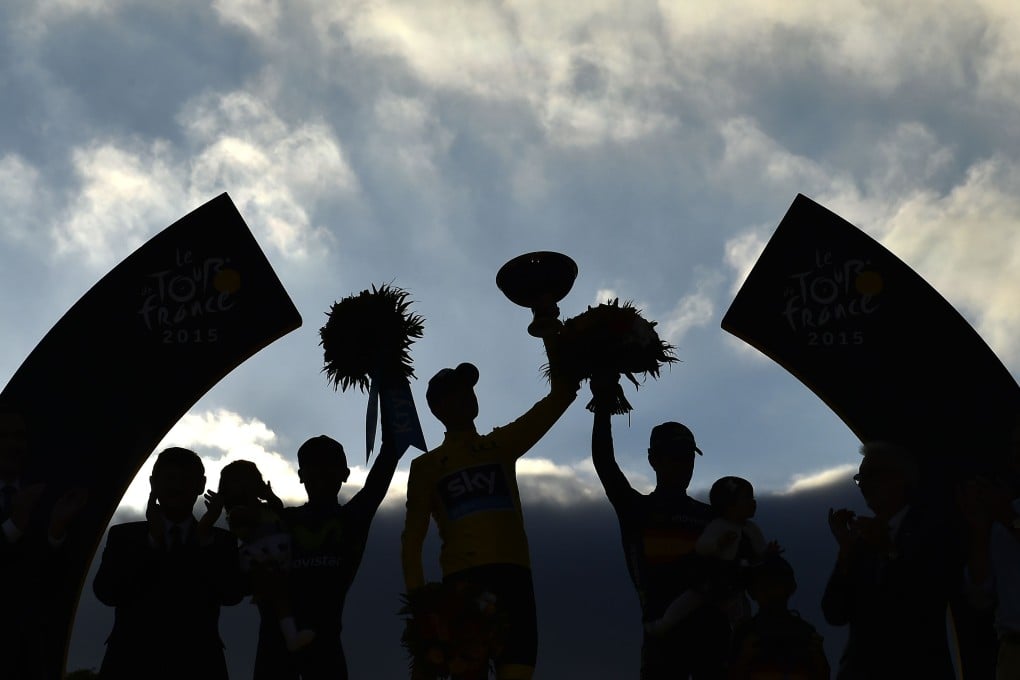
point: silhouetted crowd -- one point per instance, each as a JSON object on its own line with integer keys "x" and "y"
{"x": 926, "y": 589}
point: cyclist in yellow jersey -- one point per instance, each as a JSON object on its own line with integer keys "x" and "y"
{"x": 469, "y": 486}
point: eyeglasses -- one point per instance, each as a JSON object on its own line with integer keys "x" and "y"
{"x": 863, "y": 478}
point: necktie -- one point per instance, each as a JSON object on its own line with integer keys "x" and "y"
{"x": 174, "y": 538}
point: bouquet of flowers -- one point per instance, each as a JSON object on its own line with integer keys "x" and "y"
{"x": 369, "y": 335}
{"x": 610, "y": 340}
{"x": 451, "y": 628}
{"x": 366, "y": 344}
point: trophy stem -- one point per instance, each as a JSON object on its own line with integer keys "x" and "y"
{"x": 546, "y": 322}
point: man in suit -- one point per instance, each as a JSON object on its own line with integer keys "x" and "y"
{"x": 894, "y": 575}
{"x": 167, "y": 578}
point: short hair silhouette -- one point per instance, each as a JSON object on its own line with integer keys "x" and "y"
{"x": 894, "y": 455}
{"x": 726, "y": 490}
{"x": 320, "y": 448}
{"x": 181, "y": 458}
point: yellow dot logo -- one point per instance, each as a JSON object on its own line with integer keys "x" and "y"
{"x": 868, "y": 283}
{"x": 227, "y": 281}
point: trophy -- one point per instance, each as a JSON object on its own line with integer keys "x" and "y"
{"x": 538, "y": 281}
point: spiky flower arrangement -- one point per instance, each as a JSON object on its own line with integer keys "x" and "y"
{"x": 370, "y": 335}
{"x": 610, "y": 340}
{"x": 451, "y": 629}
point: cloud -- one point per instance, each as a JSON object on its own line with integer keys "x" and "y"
{"x": 694, "y": 310}
{"x": 260, "y": 17}
{"x": 220, "y": 437}
{"x": 127, "y": 189}
{"x": 124, "y": 191}
{"x": 817, "y": 480}
{"x": 967, "y": 245}
{"x": 20, "y": 191}
{"x": 272, "y": 169}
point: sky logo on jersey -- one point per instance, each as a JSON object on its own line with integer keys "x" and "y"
{"x": 475, "y": 489}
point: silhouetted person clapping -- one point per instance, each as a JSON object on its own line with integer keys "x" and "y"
{"x": 893, "y": 576}
{"x": 167, "y": 583}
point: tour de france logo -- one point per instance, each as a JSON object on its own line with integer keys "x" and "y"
{"x": 185, "y": 303}
{"x": 826, "y": 302}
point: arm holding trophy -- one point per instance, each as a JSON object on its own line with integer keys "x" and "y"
{"x": 482, "y": 614}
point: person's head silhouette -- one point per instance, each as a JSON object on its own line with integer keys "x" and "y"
{"x": 671, "y": 451}
{"x": 177, "y": 480}
{"x": 733, "y": 498}
{"x": 888, "y": 477}
{"x": 241, "y": 483}
{"x": 771, "y": 583}
{"x": 451, "y": 397}
{"x": 322, "y": 468}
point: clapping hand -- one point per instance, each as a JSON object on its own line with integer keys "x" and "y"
{"x": 840, "y": 523}
{"x": 270, "y": 497}
{"x": 213, "y": 510}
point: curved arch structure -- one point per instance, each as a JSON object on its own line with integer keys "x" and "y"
{"x": 874, "y": 341}
{"x": 111, "y": 378}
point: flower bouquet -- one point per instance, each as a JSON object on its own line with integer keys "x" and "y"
{"x": 366, "y": 343}
{"x": 451, "y": 629}
{"x": 607, "y": 341}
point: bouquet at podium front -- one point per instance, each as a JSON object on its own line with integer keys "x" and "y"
{"x": 608, "y": 341}
{"x": 366, "y": 343}
{"x": 452, "y": 629}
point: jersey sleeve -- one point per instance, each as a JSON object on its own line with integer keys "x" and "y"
{"x": 518, "y": 437}
{"x": 416, "y": 524}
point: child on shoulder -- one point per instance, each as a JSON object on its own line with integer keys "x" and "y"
{"x": 731, "y": 543}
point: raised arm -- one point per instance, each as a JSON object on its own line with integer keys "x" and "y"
{"x": 526, "y": 431}
{"x": 602, "y": 455}
{"x": 377, "y": 483}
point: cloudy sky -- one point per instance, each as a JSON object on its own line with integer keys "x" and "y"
{"x": 425, "y": 143}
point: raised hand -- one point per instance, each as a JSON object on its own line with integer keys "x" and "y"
{"x": 840, "y": 523}
{"x": 267, "y": 494}
{"x": 213, "y": 510}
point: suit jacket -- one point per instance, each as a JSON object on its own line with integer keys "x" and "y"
{"x": 167, "y": 604}
{"x": 895, "y": 604}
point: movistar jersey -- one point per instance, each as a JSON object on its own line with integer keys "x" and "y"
{"x": 469, "y": 486}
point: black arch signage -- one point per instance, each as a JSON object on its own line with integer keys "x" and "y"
{"x": 110, "y": 379}
{"x": 872, "y": 339}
